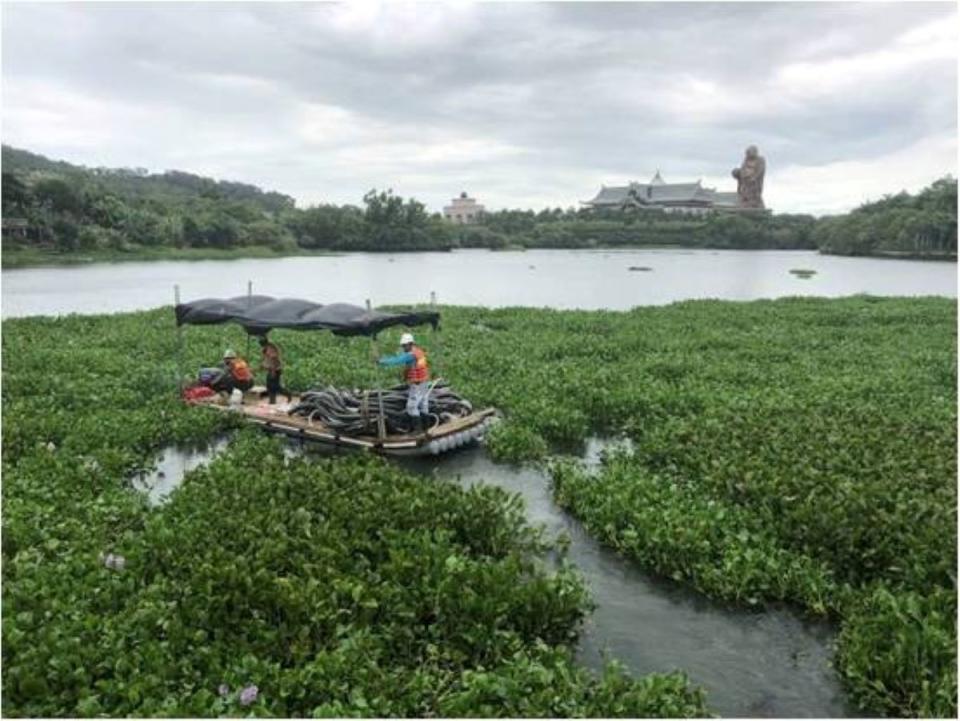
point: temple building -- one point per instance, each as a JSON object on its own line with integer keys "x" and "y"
{"x": 463, "y": 210}
{"x": 670, "y": 197}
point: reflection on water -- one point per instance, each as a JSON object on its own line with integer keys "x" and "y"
{"x": 173, "y": 463}
{"x": 770, "y": 664}
{"x": 586, "y": 279}
{"x": 596, "y": 448}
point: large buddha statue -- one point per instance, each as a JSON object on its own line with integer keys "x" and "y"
{"x": 750, "y": 179}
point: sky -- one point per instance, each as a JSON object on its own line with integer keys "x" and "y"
{"x": 522, "y": 105}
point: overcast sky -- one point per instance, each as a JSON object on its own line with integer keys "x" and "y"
{"x": 522, "y": 105}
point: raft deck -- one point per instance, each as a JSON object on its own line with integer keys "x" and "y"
{"x": 276, "y": 419}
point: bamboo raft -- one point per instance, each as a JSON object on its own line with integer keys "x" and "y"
{"x": 275, "y": 419}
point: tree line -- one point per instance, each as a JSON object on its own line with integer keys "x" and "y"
{"x": 62, "y": 207}
{"x": 919, "y": 225}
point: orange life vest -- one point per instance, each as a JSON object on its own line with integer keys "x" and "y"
{"x": 240, "y": 370}
{"x": 419, "y": 371}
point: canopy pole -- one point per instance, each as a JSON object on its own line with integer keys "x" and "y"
{"x": 374, "y": 356}
{"x": 176, "y": 302}
{"x": 249, "y": 303}
{"x": 435, "y": 333}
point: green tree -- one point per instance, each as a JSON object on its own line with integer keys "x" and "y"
{"x": 143, "y": 227}
{"x": 66, "y": 234}
{"x": 59, "y": 195}
{"x": 16, "y": 196}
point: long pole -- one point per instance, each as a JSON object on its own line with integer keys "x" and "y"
{"x": 249, "y": 303}
{"x": 436, "y": 336}
{"x": 176, "y": 302}
{"x": 381, "y": 421}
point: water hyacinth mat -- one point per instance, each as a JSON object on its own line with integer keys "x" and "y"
{"x": 801, "y": 450}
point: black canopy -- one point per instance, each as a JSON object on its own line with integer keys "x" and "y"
{"x": 261, "y": 313}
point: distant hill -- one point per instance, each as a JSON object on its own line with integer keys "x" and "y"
{"x": 140, "y": 183}
{"x": 54, "y": 209}
{"x": 59, "y": 206}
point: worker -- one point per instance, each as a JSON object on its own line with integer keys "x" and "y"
{"x": 237, "y": 374}
{"x": 417, "y": 376}
{"x": 272, "y": 363}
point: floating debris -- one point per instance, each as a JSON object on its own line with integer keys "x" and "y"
{"x": 113, "y": 561}
{"x": 642, "y": 268}
{"x": 803, "y": 272}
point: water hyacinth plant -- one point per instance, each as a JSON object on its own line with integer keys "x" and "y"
{"x": 342, "y": 587}
{"x": 801, "y": 450}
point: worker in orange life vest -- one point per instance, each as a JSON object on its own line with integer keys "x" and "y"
{"x": 417, "y": 375}
{"x": 237, "y": 374}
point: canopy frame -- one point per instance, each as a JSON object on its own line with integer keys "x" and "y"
{"x": 258, "y": 315}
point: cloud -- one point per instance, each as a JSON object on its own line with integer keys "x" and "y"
{"x": 930, "y": 42}
{"x": 522, "y": 104}
{"x": 847, "y": 183}
{"x": 397, "y": 28}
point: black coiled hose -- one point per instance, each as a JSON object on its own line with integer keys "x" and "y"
{"x": 356, "y": 412}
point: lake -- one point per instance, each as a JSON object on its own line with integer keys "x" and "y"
{"x": 584, "y": 279}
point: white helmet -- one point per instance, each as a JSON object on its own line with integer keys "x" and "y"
{"x": 229, "y": 354}
{"x": 406, "y": 338}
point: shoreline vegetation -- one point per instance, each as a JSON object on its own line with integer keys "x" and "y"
{"x": 38, "y": 258}
{"x": 780, "y": 452}
{"x": 56, "y": 213}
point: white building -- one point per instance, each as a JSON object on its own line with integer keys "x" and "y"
{"x": 463, "y": 210}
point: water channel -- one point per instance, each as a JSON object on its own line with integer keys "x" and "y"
{"x": 771, "y": 663}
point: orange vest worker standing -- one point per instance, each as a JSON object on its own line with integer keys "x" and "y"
{"x": 417, "y": 375}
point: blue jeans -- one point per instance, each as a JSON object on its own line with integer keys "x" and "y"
{"x": 418, "y": 399}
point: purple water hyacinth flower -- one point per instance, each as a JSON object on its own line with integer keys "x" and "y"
{"x": 248, "y": 695}
{"x": 223, "y": 689}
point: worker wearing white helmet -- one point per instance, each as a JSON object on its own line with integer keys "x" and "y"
{"x": 236, "y": 374}
{"x": 417, "y": 375}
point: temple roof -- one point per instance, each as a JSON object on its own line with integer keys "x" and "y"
{"x": 653, "y": 193}
{"x": 659, "y": 192}
{"x": 611, "y": 196}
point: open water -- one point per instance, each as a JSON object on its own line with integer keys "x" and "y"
{"x": 585, "y": 279}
